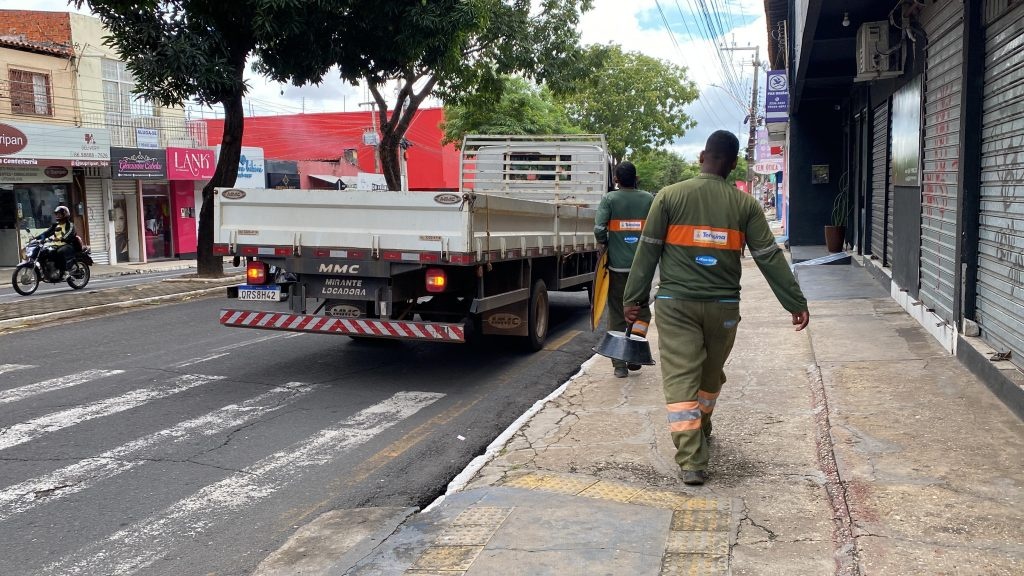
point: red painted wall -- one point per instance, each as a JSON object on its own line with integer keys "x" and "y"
{"x": 325, "y": 137}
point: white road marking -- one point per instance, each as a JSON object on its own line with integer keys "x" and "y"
{"x": 86, "y": 473}
{"x": 5, "y": 368}
{"x": 27, "y": 431}
{"x": 247, "y": 343}
{"x": 15, "y": 394}
{"x": 199, "y": 360}
{"x": 139, "y": 545}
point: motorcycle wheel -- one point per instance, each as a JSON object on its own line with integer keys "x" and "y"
{"x": 79, "y": 275}
{"x": 25, "y": 279}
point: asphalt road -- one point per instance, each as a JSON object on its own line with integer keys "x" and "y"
{"x": 158, "y": 442}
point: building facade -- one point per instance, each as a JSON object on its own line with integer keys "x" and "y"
{"x": 915, "y": 109}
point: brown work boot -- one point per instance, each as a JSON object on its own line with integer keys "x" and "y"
{"x": 693, "y": 477}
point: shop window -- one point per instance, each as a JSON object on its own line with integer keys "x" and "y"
{"x": 30, "y": 93}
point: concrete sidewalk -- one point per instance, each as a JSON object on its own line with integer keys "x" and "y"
{"x": 855, "y": 447}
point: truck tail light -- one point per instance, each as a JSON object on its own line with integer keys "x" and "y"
{"x": 437, "y": 280}
{"x": 256, "y": 272}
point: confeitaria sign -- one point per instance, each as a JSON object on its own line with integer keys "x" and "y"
{"x": 46, "y": 145}
{"x": 138, "y": 164}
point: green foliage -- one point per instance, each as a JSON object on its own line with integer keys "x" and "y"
{"x": 658, "y": 168}
{"x": 523, "y": 108}
{"x": 635, "y": 100}
{"x": 739, "y": 172}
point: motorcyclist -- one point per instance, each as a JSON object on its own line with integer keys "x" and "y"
{"x": 62, "y": 238}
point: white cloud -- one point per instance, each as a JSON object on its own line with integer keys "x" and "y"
{"x": 635, "y": 25}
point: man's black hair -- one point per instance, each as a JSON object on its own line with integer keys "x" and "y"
{"x": 723, "y": 145}
{"x": 625, "y": 172}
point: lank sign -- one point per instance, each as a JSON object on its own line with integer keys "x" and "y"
{"x": 190, "y": 164}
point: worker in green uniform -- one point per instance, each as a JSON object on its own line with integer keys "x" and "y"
{"x": 696, "y": 229}
{"x": 620, "y": 218}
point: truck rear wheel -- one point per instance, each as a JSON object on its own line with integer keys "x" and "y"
{"x": 537, "y": 323}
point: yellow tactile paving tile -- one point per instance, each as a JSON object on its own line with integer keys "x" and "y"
{"x": 434, "y": 573}
{"x": 701, "y": 520}
{"x": 565, "y": 484}
{"x": 477, "y": 535}
{"x": 694, "y": 565}
{"x": 447, "y": 558}
{"x": 662, "y": 499}
{"x": 608, "y": 490}
{"x": 714, "y": 543}
{"x": 526, "y": 481}
{"x": 482, "y": 515}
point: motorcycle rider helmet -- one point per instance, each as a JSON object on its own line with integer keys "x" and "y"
{"x": 62, "y": 212}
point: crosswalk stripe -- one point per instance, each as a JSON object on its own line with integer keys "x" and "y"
{"x": 32, "y": 429}
{"x": 5, "y": 368}
{"x": 139, "y": 545}
{"x": 15, "y": 394}
{"x": 86, "y": 473}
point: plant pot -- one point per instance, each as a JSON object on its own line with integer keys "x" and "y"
{"x": 835, "y": 236}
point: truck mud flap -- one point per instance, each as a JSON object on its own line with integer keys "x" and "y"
{"x": 367, "y": 327}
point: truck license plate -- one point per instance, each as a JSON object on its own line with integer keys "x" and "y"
{"x": 259, "y": 293}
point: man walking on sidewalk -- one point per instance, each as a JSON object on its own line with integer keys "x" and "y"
{"x": 696, "y": 229}
{"x": 620, "y": 218}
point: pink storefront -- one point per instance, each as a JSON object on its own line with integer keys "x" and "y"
{"x": 188, "y": 170}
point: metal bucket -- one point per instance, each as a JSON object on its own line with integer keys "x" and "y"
{"x": 626, "y": 347}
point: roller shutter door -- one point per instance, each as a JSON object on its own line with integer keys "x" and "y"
{"x": 1000, "y": 288}
{"x": 98, "y": 226}
{"x": 879, "y": 182}
{"x": 940, "y": 196}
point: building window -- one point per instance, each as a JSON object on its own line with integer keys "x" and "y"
{"x": 119, "y": 91}
{"x": 30, "y": 93}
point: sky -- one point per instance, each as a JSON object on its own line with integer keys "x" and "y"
{"x": 637, "y": 25}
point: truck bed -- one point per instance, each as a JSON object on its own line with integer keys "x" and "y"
{"x": 376, "y": 221}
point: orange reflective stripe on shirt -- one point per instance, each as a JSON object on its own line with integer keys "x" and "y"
{"x": 626, "y": 225}
{"x": 705, "y": 237}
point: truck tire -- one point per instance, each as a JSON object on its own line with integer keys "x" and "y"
{"x": 539, "y": 316}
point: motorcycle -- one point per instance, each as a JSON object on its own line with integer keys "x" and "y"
{"x": 43, "y": 264}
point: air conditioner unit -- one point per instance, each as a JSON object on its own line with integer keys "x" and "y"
{"x": 878, "y": 55}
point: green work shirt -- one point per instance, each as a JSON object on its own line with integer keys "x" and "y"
{"x": 620, "y": 219}
{"x": 697, "y": 229}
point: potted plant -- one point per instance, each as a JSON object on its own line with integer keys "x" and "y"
{"x": 835, "y": 234}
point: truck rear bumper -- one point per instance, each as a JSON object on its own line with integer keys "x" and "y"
{"x": 367, "y": 327}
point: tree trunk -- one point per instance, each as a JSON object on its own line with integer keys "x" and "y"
{"x": 390, "y": 161}
{"x": 210, "y": 265}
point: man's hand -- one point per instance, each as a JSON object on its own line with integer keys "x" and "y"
{"x": 631, "y": 313}
{"x": 801, "y": 319}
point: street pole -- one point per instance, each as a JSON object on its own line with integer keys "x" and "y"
{"x": 752, "y": 119}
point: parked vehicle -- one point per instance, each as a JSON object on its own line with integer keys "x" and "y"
{"x": 42, "y": 264}
{"x": 423, "y": 265}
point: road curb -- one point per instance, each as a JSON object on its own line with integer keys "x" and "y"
{"x": 28, "y": 321}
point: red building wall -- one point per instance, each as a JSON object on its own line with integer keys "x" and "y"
{"x": 37, "y": 26}
{"x": 325, "y": 137}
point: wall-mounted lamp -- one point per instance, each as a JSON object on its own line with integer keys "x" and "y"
{"x": 846, "y": 19}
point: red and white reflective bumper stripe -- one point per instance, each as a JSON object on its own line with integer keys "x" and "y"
{"x": 433, "y": 331}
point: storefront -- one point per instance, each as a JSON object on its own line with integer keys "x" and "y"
{"x": 188, "y": 170}
{"x": 37, "y": 174}
{"x": 143, "y": 227}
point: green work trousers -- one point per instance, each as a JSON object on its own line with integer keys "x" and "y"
{"x": 694, "y": 339}
{"x": 616, "y": 319}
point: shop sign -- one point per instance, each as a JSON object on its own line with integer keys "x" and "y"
{"x": 906, "y": 134}
{"x": 776, "y": 105}
{"x": 148, "y": 138}
{"x": 35, "y": 174}
{"x": 768, "y": 166}
{"x": 280, "y": 181}
{"x": 138, "y": 164}
{"x": 43, "y": 145}
{"x": 190, "y": 164}
{"x": 250, "y": 168}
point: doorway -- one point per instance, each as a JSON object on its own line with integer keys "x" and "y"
{"x": 156, "y": 223}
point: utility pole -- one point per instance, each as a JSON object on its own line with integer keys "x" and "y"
{"x": 752, "y": 118}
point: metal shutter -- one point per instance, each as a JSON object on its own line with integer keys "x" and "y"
{"x": 98, "y": 226}
{"x": 879, "y": 194}
{"x": 940, "y": 196}
{"x": 1001, "y": 220}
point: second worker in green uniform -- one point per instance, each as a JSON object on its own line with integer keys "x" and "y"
{"x": 620, "y": 218}
{"x": 697, "y": 229}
